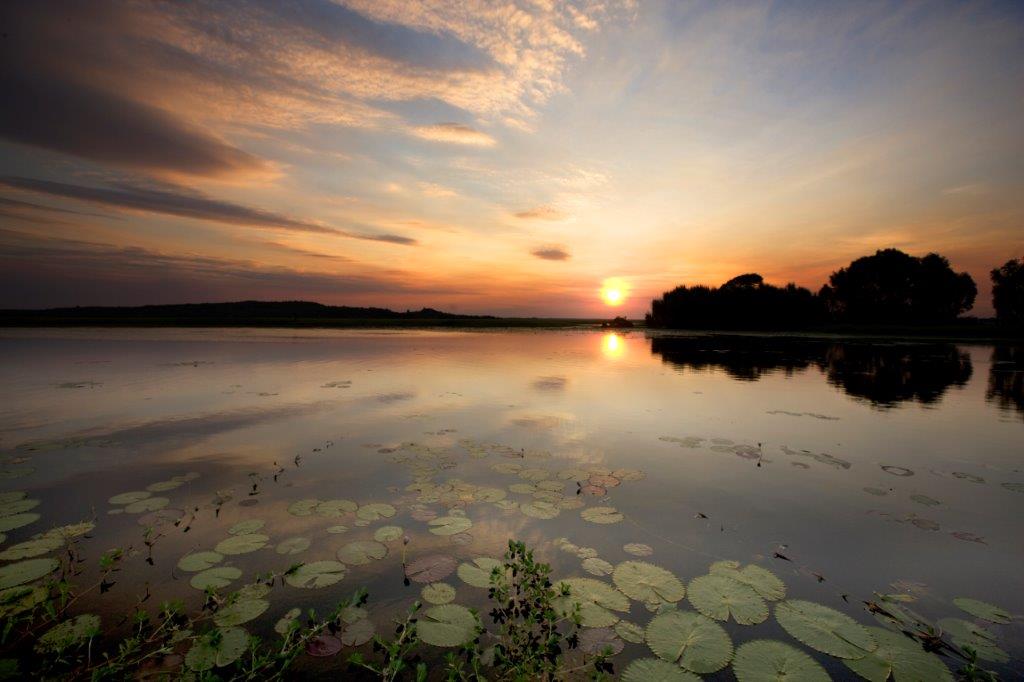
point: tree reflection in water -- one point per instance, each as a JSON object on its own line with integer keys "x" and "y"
{"x": 1006, "y": 378}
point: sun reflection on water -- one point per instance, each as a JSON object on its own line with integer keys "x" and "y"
{"x": 613, "y": 346}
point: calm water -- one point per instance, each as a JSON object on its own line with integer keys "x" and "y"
{"x": 892, "y": 468}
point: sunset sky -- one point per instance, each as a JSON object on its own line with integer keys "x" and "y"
{"x": 498, "y": 157}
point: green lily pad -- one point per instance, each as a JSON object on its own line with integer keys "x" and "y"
{"x": 983, "y": 610}
{"x": 23, "y": 572}
{"x": 596, "y": 566}
{"x": 763, "y": 581}
{"x": 358, "y": 632}
{"x": 438, "y": 593}
{"x": 362, "y": 552}
{"x": 597, "y": 602}
{"x": 252, "y": 591}
{"x": 128, "y": 498}
{"x": 523, "y": 488}
{"x": 199, "y": 561}
{"x": 690, "y": 640}
{"x": 631, "y": 632}
{"x": 17, "y": 507}
{"x": 164, "y": 486}
{"x": 304, "y": 507}
{"x": 17, "y": 521}
{"x": 150, "y": 504}
{"x": 69, "y": 633}
{"x": 11, "y": 496}
{"x": 209, "y": 651}
{"x": 242, "y": 611}
{"x": 242, "y": 544}
{"x": 293, "y": 545}
{"x": 601, "y": 515}
{"x": 335, "y": 508}
{"x": 900, "y": 658}
{"x": 490, "y": 494}
{"x": 215, "y": 578}
{"x": 286, "y": 622}
{"x": 336, "y": 530}
{"x": 30, "y": 548}
{"x": 375, "y": 511}
{"x": 317, "y": 574}
{"x": 824, "y": 629}
{"x": 478, "y": 573}
{"x": 766, "y": 660}
{"x": 534, "y": 474}
{"x": 72, "y": 530}
{"x": 449, "y": 525}
{"x": 965, "y": 633}
{"x": 387, "y": 533}
{"x": 656, "y": 670}
{"x": 15, "y": 600}
{"x": 637, "y": 549}
{"x": 246, "y": 527}
{"x": 430, "y": 569}
{"x": 720, "y": 597}
{"x": 647, "y": 583}
{"x": 447, "y": 625}
{"x": 540, "y": 509}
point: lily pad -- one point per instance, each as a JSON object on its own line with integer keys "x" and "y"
{"x": 983, "y": 610}
{"x": 150, "y": 504}
{"x": 478, "y": 573}
{"x": 431, "y": 568}
{"x": 242, "y": 611}
{"x": 17, "y": 521}
{"x": 17, "y": 507}
{"x": 284, "y": 623}
{"x": 598, "y": 600}
{"x": 164, "y": 486}
{"x": 523, "y": 488}
{"x": 128, "y": 498}
{"x": 899, "y": 658}
{"x": 763, "y": 581}
{"x": 358, "y": 632}
{"x": 965, "y": 633}
{"x": 69, "y": 633}
{"x": 540, "y": 509}
{"x": 438, "y": 593}
{"x": 601, "y": 515}
{"x": 336, "y": 530}
{"x": 721, "y": 597}
{"x": 211, "y": 651}
{"x": 242, "y": 544}
{"x": 638, "y": 549}
{"x": 647, "y": 583}
{"x": 631, "y": 632}
{"x": 199, "y": 561}
{"x": 690, "y": 640}
{"x": 323, "y": 646}
{"x": 388, "y": 533}
{"x": 334, "y": 508}
{"x": 766, "y": 660}
{"x": 600, "y": 640}
{"x": 23, "y": 572}
{"x": 656, "y": 670}
{"x": 449, "y": 525}
{"x": 15, "y": 600}
{"x": 375, "y": 511}
{"x": 447, "y": 625}
{"x": 925, "y": 500}
{"x": 362, "y": 552}
{"x": 215, "y": 578}
{"x": 30, "y": 548}
{"x": 71, "y": 530}
{"x": 293, "y": 545}
{"x": 598, "y": 567}
{"x": 246, "y": 527}
{"x": 316, "y": 574}
{"x": 824, "y": 629}
{"x": 304, "y": 507}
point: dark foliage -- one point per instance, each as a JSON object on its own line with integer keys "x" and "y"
{"x": 1008, "y": 293}
{"x": 894, "y": 287}
{"x": 1006, "y": 378}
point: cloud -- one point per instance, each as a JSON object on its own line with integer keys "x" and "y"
{"x": 551, "y": 253}
{"x": 185, "y": 203}
{"x": 541, "y": 213}
{"x": 432, "y": 189}
{"x": 456, "y": 133}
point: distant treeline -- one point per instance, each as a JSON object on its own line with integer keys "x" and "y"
{"x": 888, "y": 288}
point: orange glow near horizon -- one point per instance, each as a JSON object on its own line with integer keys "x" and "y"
{"x": 614, "y": 291}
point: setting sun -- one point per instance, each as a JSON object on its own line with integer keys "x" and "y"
{"x": 613, "y": 291}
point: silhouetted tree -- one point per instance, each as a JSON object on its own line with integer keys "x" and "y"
{"x": 1006, "y": 378}
{"x": 892, "y": 286}
{"x": 1008, "y": 292}
{"x": 744, "y": 302}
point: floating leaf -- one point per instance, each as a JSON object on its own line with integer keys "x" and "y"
{"x": 252, "y": 591}
{"x": 388, "y": 533}
{"x": 604, "y": 481}
{"x": 896, "y": 471}
{"x": 164, "y": 486}
{"x": 438, "y": 593}
{"x": 647, "y": 583}
{"x": 597, "y": 601}
{"x": 601, "y": 515}
{"x": 242, "y": 611}
{"x": 242, "y": 544}
{"x": 638, "y": 549}
{"x": 631, "y": 632}
{"x": 11, "y": 496}
{"x": 15, "y": 600}
{"x": 599, "y": 640}
{"x": 362, "y": 552}
{"x": 431, "y": 568}
{"x": 629, "y": 474}
{"x": 898, "y": 657}
{"x": 316, "y": 574}
{"x": 335, "y": 530}
{"x": 323, "y": 646}
{"x": 293, "y": 545}
{"x": 68, "y": 634}
{"x": 450, "y": 525}
{"x": 375, "y": 511}
{"x": 17, "y": 521}
{"x": 766, "y": 660}
{"x": 598, "y": 567}
{"x": 25, "y": 571}
{"x": 199, "y": 561}
{"x": 968, "y": 477}
{"x": 523, "y": 488}
{"x": 161, "y": 517}
{"x": 72, "y": 530}
{"x": 128, "y": 498}
{"x": 246, "y": 527}
{"x": 983, "y": 610}
{"x": 304, "y": 507}
{"x": 215, "y": 578}
{"x": 764, "y": 582}
{"x": 447, "y": 625}
{"x": 357, "y": 633}
{"x": 539, "y": 509}
{"x": 925, "y": 500}
{"x": 534, "y": 474}
{"x": 211, "y": 651}
{"x": 150, "y": 504}
{"x": 721, "y": 597}
{"x": 17, "y": 507}
{"x": 689, "y": 640}
{"x": 478, "y": 573}
{"x": 965, "y": 633}
{"x": 656, "y": 670}
{"x": 284, "y": 624}
{"x": 335, "y": 508}
{"x": 31, "y": 548}
{"x": 824, "y": 629}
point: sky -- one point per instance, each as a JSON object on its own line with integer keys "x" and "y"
{"x": 509, "y": 158}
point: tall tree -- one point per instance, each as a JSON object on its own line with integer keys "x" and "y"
{"x": 1008, "y": 292}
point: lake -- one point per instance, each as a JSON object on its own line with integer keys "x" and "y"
{"x": 890, "y": 473}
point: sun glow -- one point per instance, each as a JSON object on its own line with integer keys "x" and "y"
{"x": 614, "y": 291}
{"x": 612, "y": 346}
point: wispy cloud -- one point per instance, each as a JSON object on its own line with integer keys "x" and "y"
{"x": 551, "y": 253}
{"x": 455, "y": 133}
{"x": 541, "y": 213}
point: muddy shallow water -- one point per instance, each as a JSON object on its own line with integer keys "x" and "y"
{"x": 895, "y": 469}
